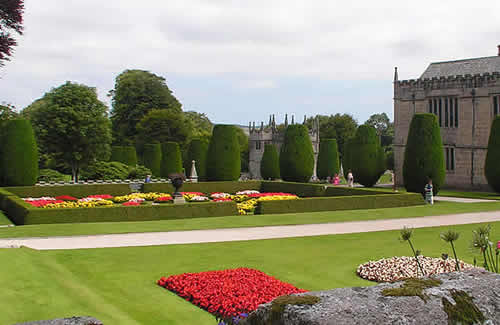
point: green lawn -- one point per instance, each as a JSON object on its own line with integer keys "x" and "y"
{"x": 244, "y": 221}
{"x": 471, "y": 195}
{"x": 117, "y": 285}
{"x": 4, "y": 220}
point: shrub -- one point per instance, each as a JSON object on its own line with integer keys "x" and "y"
{"x": 124, "y": 154}
{"x": 297, "y": 156}
{"x": 171, "y": 161}
{"x": 152, "y": 157}
{"x": 491, "y": 165}
{"x": 223, "y": 159}
{"x": 367, "y": 157}
{"x": 424, "y": 156}
{"x": 50, "y": 175}
{"x": 138, "y": 172}
{"x": 346, "y": 157}
{"x": 328, "y": 158}
{"x": 19, "y": 161}
{"x": 105, "y": 170}
{"x": 270, "y": 164}
{"x": 197, "y": 151}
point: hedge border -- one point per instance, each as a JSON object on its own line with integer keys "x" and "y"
{"x": 73, "y": 190}
{"x": 319, "y": 204}
{"x": 204, "y": 187}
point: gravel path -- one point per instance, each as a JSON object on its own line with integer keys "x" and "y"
{"x": 237, "y": 234}
{"x": 461, "y": 200}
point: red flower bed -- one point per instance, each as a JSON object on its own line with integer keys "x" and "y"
{"x": 227, "y": 293}
{"x": 101, "y": 196}
{"x": 66, "y": 198}
{"x": 41, "y": 203}
{"x": 131, "y": 203}
{"x": 163, "y": 199}
{"x": 270, "y": 194}
{"x": 193, "y": 193}
{"x": 222, "y": 200}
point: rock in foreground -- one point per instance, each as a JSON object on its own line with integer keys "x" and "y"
{"x": 66, "y": 321}
{"x": 470, "y": 297}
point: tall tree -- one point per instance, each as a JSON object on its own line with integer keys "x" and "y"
{"x": 200, "y": 125}
{"x": 11, "y": 21}
{"x": 136, "y": 93}
{"x": 296, "y": 156}
{"x": 244, "y": 151}
{"x": 339, "y": 126}
{"x": 384, "y": 127}
{"x": 72, "y": 123}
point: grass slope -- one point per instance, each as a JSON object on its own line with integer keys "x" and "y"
{"x": 243, "y": 221}
{"x": 4, "y": 220}
{"x": 117, "y": 285}
{"x": 470, "y": 195}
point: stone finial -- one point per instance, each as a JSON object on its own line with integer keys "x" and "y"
{"x": 305, "y": 119}
{"x": 253, "y": 126}
{"x": 286, "y": 120}
{"x": 396, "y": 74}
{"x": 293, "y": 122}
{"x": 270, "y": 120}
{"x": 262, "y": 126}
{"x": 250, "y": 127}
{"x": 498, "y": 46}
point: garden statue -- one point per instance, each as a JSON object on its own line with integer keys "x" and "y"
{"x": 194, "y": 175}
{"x": 177, "y": 180}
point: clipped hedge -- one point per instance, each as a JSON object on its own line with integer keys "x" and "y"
{"x": 424, "y": 156}
{"x": 29, "y": 216}
{"x": 171, "y": 161}
{"x": 328, "y": 159}
{"x": 152, "y": 158}
{"x": 224, "y": 160}
{"x": 347, "y": 157}
{"x": 297, "y": 155}
{"x": 338, "y": 203}
{"x": 197, "y": 151}
{"x": 204, "y": 187}
{"x": 367, "y": 158}
{"x": 315, "y": 190}
{"x": 19, "y": 161}
{"x": 491, "y": 165}
{"x": 78, "y": 191}
{"x": 270, "y": 163}
{"x": 125, "y": 154}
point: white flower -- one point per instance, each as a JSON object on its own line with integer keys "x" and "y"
{"x": 220, "y": 195}
{"x": 199, "y": 198}
{"x": 247, "y": 192}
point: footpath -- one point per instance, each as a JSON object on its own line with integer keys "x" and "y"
{"x": 253, "y": 233}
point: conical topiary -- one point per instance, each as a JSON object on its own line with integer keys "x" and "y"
{"x": 152, "y": 158}
{"x": 346, "y": 157}
{"x": 424, "y": 156}
{"x": 223, "y": 160}
{"x": 367, "y": 157}
{"x": 124, "y": 154}
{"x": 171, "y": 161}
{"x": 297, "y": 155}
{"x": 197, "y": 151}
{"x": 270, "y": 164}
{"x": 328, "y": 159}
{"x": 492, "y": 165}
{"x": 19, "y": 154}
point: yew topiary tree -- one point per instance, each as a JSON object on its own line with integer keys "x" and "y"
{"x": 297, "y": 155}
{"x": 270, "y": 163}
{"x": 152, "y": 158}
{"x": 171, "y": 161}
{"x": 328, "y": 158}
{"x": 19, "y": 159}
{"x": 223, "y": 160}
{"x": 424, "y": 156}
{"x": 197, "y": 151}
{"x": 124, "y": 154}
{"x": 346, "y": 157}
{"x": 491, "y": 165}
{"x": 367, "y": 157}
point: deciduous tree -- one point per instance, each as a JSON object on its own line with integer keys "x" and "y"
{"x": 11, "y": 21}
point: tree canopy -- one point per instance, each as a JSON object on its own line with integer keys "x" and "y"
{"x": 384, "y": 127}
{"x": 200, "y": 125}
{"x": 71, "y": 123}
{"x": 339, "y": 126}
{"x": 11, "y": 21}
{"x": 136, "y": 93}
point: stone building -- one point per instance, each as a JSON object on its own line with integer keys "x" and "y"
{"x": 273, "y": 134}
{"x": 465, "y": 96}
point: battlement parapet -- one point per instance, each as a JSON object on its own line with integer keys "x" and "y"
{"x": 458, "y": 81}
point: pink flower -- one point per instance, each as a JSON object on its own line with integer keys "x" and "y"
{"x": 498, "y": 245}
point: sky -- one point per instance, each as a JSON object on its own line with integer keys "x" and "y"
{"x": 239, "y": 61}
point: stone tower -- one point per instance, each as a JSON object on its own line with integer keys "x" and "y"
{"x": 272, "y": 134}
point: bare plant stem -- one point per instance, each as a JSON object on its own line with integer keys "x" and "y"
{"x": 416, "y": 258}
{"x": 457, "y": 265}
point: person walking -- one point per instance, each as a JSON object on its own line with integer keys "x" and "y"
{"x": 350, "y": 179}
{"x": 429, "y": 195}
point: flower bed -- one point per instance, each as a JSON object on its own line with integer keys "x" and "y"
{"x": 246, "y": 200}
{"x": 404, "y": 267}
{"x": 228, "y": 293}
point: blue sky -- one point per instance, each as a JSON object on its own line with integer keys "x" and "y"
{"x": 239, "y": 61}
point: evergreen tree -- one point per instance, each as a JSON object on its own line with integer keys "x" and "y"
{"x": 124, "y": 154}
{"x": 492, "y": 166}
{"x": 19, "y": 154}
{"x": 152, "y": 157}
{"x": 171, "y": 161}
{"x": 424, "y": 156}
{"x": 297, "y": 155}
{"x": 223, "y": 160}
{"x": 270, "y": 164}
{"x": 197, "y": 151}
{"x": 328, "y": 158}
{"x": 367, "y": 157}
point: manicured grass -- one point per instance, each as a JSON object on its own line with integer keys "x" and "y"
{"x": 4, "y": 220}
{"x": 471, "y": 195}
{"x": 47, "y": 230}
{"x": 117, "y": 285}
